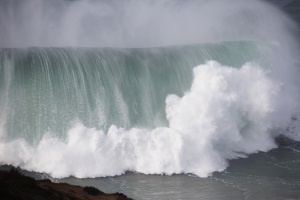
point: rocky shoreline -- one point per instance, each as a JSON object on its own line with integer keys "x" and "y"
{"x": 16, "y": 186}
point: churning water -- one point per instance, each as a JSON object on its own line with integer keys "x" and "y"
{"x": 100, "y": 88}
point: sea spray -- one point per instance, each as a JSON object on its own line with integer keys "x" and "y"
{"x": 50, "y": 89}
{"x": 172, "y": 108}
{"x": 226, "y": 114}
{"x": 134, "y": 23}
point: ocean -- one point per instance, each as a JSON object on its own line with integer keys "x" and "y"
{"x": 155, "y": 99}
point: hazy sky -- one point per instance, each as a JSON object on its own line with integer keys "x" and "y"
{"x": 134, "y": 23}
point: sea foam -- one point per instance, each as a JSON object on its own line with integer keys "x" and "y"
{"x": 227, "y": 113}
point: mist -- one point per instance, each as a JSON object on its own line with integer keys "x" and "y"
{"x": 213, "y": 101}
{"x": 133, "y": 23}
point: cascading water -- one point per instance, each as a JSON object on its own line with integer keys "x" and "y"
{"x": 227, "y": 89}
{"x": 50, "y": 88}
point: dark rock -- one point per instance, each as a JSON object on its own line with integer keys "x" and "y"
{"x": 92, "y": 191}
{"x": 15, "y": 186}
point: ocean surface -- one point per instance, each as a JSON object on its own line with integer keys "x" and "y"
{"x": 157, "y": 100}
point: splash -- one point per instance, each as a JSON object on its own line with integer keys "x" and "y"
{"x": 126, "y": 116}
{"x": 226, "y": 114}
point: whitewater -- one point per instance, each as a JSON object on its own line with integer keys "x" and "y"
{"x": 104, "y": 88}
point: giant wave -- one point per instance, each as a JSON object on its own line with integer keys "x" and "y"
{"x": 91, "y": 112}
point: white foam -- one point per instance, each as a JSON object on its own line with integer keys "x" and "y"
{"x": 226, "y": 114}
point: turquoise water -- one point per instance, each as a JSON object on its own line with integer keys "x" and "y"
{"x": 203, "y": 102}
{"x": 50, "y": 89}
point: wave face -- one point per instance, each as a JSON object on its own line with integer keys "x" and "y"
{"x": 90, "y": 112}
{"x": 48, "y": 89}
{"x": 69, "y": 111}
